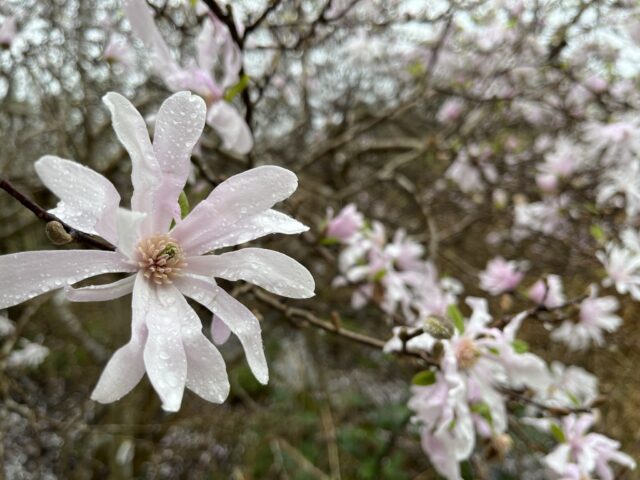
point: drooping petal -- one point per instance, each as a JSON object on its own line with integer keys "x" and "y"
{"x": 268, "y": 269}
{"x": 219, "y": 331}
{"x": 231, "y": 126}
{"x": 131, "y": 130}
{"x": 207, "y": 46}
{"x": 238, "y": 318}
{"x": 164, "y": 357}
{"x": 29, "y": 274}
{"x": 243, "y": 231}
{"x": 140, "y": 17}
{"x": 126, "y": 367}
{"x": 206, "y": 370}
{"x": 88, "y": 201}
{"x": 237, "y": 199}
{"x": 179, "y": 124}
{"x": 101, "y": 293}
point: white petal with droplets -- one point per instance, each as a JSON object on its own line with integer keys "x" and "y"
{"x": 126, "y": 367}
{"x": 238, "y": 318}
{"x": 236, "y": 199}
{"x": 101, "y": 293}
{"x": 88, "y": 201}
{"x": 164, "y": 355}
{"x": 268, "y": 269}
{"x": 29, "y": 274}
{"x": 220, "y": 331}
{"x": 178, "y": 127}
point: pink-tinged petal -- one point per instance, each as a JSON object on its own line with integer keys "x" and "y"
{"x": 126, "y": 367}
{"x": 268, "y": 269}
{"x": 88, "y": 201}
{"x": 207, "y": 46}
{"x": 243, "y": 231}
{"x": 101, "y": 293}
{"x": 231, "y": 127}
{"x": 29, "y": 274}
{"x": 206, "y": 370}
{"x": 140, "y": 17}
{"x": 219, "y": 331}
{"x": 179, "y": 124}
{"x": 129, "y": 225}
{"x": 131, "y": 130}
{"x": 164, "y": 356}
{"x": 237, "y": 317}
{"x": 237, "y": 199}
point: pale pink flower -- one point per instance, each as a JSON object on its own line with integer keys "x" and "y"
{"x": 622, "y": 266}
{"x": 588, "y": 453}
{"x": 548, "y": 292}
{"x": 166, "y": 264}
{"x": 450, "y": 111}
{"x": 8, "y": 31}
{"x": 596, "y": 315}
{"x": 500, "y": 276}
{"x": 214, "y": 46}
{"x": 569, "y": 386}
{"x": 346, "y": 224}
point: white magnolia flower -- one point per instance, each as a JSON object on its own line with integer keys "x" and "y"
{"x": 165, "y": 264}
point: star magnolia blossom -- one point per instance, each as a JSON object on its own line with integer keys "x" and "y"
{"x": 583, "y": 452}
{"x": 213, "y": 42}
{"x": 165, "y": 264}
{"x": 500, "y": 276}
{"x": 346, "y": 224}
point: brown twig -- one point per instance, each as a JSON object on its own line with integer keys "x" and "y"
{"x": 42, "y": 214}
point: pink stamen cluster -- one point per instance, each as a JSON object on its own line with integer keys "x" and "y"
{"x": 161, "y": 258}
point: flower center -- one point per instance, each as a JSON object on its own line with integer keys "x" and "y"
{"x": 467, "y": 353}
{"x": 161, "y": 258}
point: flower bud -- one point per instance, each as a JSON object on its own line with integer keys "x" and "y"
{"x": 437, "y": 327}
{"x": 57, "y": 234}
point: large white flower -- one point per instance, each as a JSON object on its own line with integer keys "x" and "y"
{"x": 166, "y": 264}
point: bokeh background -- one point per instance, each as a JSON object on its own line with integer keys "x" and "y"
{"x": 349, "y": 95}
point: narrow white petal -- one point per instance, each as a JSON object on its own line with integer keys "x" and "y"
{"x": 88, "y": 201}
{"x": 259, "y": 225}
{"x": 131, "y": 130}
{"x": 101, "y": 293}
{"x": 231, "y": 126}
{"x": 206, "y": 370}
{"x": 29, "y": 274}
{"x": 236, "y": 199}
{"x": 179, "y": 124}
{"x": 219, "y": 331}
{"x": 268, "y": 269}
{"x": 237, "y": 317}
{"x": 126, "y": 367}
{"x": 129, "y": 226}
{"x": 164, "y": 356}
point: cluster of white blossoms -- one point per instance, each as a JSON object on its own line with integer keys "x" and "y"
{"x": 166, "y": 257}
{"x": 477, "y": 362}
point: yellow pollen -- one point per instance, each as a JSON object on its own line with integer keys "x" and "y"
{"x": 161, "y": 258}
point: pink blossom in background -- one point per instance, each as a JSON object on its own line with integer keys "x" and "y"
{"x": 215, "y": 48}
{"x": 8, "y": 31}
{"x": 596, "y": 316}
{"x": 548, "y": 292}
{"x": 450, "y": 111}
{"x": 587, "y": 453}
{"x": 166, "y": 264}
{"x": 500, "y": 276}
{"x": 622, "y": 267}
{"x": 346, "y": 224}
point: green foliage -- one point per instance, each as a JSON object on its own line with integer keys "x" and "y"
{"x": 424, "y": 378}
{"x": 453, "y": 312}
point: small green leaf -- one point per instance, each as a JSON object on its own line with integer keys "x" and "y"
{"x": 183, "y": 202}
{"x": 329, "y": 241}
{"x": 379, "y": 275}
{"x": 424, "y": 378}
{"x": 456, "y": 317}
{"x": 466, "y": 470}
{"x": 520, "y": 346}
{"x": 557, "y": 433}
{"x": 236, "y": 89}
{"x": 597, "y": 233}
{"x": 483, "y": 410}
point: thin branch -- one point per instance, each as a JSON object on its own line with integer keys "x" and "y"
{"x": 42, "y": 214}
